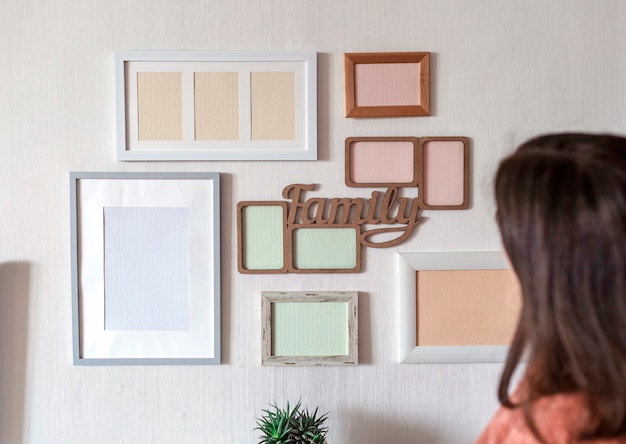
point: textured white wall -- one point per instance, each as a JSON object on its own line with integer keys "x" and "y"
{"x": 502, "y": 70}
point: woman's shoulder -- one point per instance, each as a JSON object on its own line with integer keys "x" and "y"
{"x": 558, "y": 418}
{"x": 507, "y": 426}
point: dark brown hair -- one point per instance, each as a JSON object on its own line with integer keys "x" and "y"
{"x": 561, "y": 209}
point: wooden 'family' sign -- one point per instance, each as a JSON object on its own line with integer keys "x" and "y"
{"x": 306, "y": 234}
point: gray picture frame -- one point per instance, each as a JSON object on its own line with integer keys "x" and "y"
{"x": 90, "y": 193}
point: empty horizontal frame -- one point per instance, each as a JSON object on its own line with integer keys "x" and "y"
{"x": 267, "y": 244}
{"x": 309, "y": 328}
{"x": 409, "y": 350}
{"x": 206, "y": 105}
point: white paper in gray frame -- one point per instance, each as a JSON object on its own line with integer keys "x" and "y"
{"x": 146, "y": 268}
{"x": 99, "y": 343}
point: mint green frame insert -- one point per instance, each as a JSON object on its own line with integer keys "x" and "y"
{"x": 309, "y": 328}
{"x": 261, "y": 236}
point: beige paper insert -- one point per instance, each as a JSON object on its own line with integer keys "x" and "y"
{"x": 216, "y": 97}
{"x": 467, "y": 307}
{"x": 273, "y": 105}
{"x": 160, "y": 105}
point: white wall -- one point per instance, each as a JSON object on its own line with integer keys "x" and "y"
{"x": 502, "y": 70}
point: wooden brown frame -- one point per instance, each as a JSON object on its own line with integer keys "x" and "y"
{"x": 348, "y": 162}
{"x": 422, "y": 108}
{"x": 466, "y": 170}
{"x": 350, "y": 297}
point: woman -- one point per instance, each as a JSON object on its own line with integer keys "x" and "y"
{"x": 561, "y": 209}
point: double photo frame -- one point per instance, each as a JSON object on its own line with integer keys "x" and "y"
{"x": 439, "y": 166}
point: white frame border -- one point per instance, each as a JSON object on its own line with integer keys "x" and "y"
{"x": 77, "y": 283}
{"x": 303, "y": 148}
{"x": 408, "y": 351}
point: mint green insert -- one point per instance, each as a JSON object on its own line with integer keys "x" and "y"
{"x": 263, "y": 237}
{"x": 324, "y": 248}
{"x": 309, "y": 328}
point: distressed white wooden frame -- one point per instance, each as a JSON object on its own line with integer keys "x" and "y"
{"x": 304, "y": 64}
{"x": 409, "y": 352}
{"x": 90, "y": 193}
{"x": 349, "y": 297}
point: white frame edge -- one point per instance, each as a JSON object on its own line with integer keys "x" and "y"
{"x": 408, "y": 351}
{"x": 75, "y": 275}
{"x": 309, "y": 152}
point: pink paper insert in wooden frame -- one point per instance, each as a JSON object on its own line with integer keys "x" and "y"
{"x": 387, "y": 84}
{"x": 444, "y": 181}
{"x": 381, "y": 162}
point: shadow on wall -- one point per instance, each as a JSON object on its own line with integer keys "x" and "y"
{"x": 14, "y": 296}
{"x": 227, "y": 209}
{"x": 363, "y": 428}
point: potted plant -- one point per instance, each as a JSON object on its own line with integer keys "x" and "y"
{"x": 296, "y": 425}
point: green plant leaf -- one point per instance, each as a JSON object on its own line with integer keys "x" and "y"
{"x": 291, "y": 425}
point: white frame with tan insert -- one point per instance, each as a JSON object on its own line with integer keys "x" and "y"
{"x": 300, "y": 109}
{"x": 409, "y": 352}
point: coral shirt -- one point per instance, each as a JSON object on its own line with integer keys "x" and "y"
{"x": 558, "y": 418}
